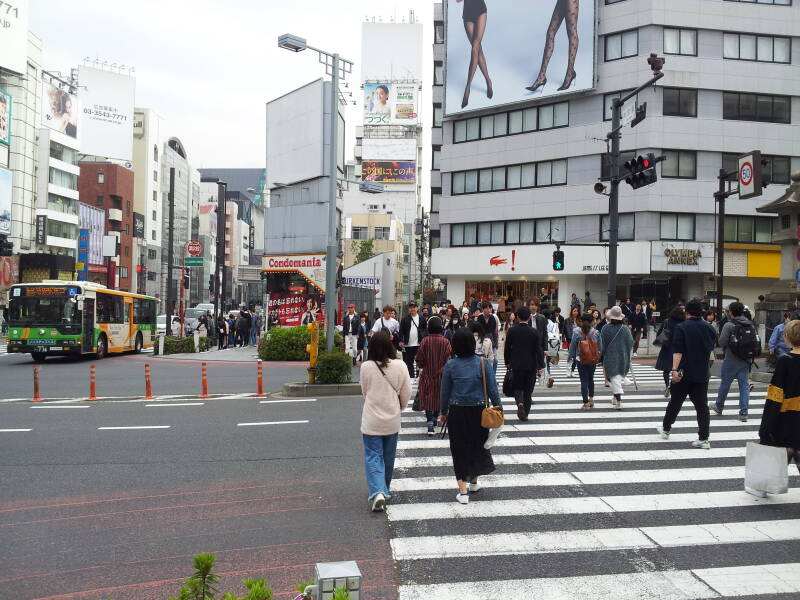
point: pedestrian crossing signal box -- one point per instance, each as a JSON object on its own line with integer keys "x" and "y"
{"x": 558, "y": 260}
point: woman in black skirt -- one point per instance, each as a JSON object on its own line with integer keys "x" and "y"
{"x": 462, "y": 401}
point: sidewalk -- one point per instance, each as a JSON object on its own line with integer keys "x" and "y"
{"x": 244, "y": 354}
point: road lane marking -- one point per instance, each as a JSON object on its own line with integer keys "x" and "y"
{"x": 287, "y": 401}
{"x": 270, "y": 423}
{"x": 697, "y": 584}
{"x": 623, "y": 538}
{"x": 179, "y": 404}
{"x": 61, "y": 406}
{"x": 135, "y": 427}
{"x": 13, "y": 430}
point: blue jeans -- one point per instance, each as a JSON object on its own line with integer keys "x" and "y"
{"x": 379, "y": 453}
{"x": 586, "y": 373}
{"x": 738, "y": 371}
{"x": 254, "y": 337}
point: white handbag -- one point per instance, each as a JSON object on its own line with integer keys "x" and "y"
{"x": 766, "y": 469}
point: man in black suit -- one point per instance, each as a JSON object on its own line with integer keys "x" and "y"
{"x": 524, "y": 355}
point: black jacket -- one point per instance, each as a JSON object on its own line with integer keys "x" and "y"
{"x": 406, "y": 325}
{"x": 523, "y": 350}
{"x": 350, "y": 324}
{"x": 638, "y": 321}
{"x": 541, "y": 328}
{"x": 489, "y": 327}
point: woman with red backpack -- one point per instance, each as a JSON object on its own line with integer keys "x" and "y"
{"x": 584, "y": 350}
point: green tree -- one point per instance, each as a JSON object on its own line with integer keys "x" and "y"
{"x": 201, "y": 585}
{"x": 364, "y": 250}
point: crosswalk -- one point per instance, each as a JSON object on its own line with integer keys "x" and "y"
{"x": 595, "y": 505}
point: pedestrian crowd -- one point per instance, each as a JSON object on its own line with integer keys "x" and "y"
{"x": 453, "y": 352}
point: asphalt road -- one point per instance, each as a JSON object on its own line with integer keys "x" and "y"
{"x": 89, "y": 513}
{"x": 122, "y": 375}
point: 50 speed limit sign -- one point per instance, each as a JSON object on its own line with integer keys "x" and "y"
{"x": 750, "y": 175}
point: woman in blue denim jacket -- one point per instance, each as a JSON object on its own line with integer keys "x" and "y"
{"x": 462, "y": 401}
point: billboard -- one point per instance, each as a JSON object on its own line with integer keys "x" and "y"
{"x": 5, "y": 117}
{"x": 106, "y": 113}
{"x": 5, "y": 201}
{"x": 138, "y": 226}
{"x": 529, "y": 51}
{"x": 389, "y": 149}
{"x": 310, "y": 266}
{"x": 391, "y": 51}
{"x": 297, "y": 309}
{"x": 14, "y": 36}
{"x": 388, "y": 103}
{"x": 60, "y": 110}
{"x": 385, "y": 171}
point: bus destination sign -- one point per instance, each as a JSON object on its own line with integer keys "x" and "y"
{"x": 50, "y": 291}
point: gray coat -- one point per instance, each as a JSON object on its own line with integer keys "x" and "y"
{"x": 616, "y": 343}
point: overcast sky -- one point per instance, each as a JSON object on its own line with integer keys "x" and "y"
{"x": 210, "y": 67}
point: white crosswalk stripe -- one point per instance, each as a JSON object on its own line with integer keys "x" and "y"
{"x": 656, "y": 518}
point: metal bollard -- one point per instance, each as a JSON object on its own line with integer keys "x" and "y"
{"x": 260, "y": 380}
{"x": 204, "y": 372}
{"x": 148, "y": 388}
{"x": 36, "y": 396}
{"x": 92, "y": 383}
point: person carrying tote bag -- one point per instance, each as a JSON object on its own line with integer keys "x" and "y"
{"x": 387, "y": 389}
{"x": 462, "y": 404}
{"x": 779, "y": 434}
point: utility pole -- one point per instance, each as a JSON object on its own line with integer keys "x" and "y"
{"x": 720, "y": 197}
{"x": 656, "y": 64}
{"x": 219, "y": 262}
{"x": 331, "y": 293}
{"x": 170, "y": 248}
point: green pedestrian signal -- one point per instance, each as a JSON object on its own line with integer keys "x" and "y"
{"x": 558, "y": 260}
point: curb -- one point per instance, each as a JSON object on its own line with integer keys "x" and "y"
{"x": 305, "y": 390}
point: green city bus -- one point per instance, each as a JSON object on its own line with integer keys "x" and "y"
{"x": 73, "y": 318}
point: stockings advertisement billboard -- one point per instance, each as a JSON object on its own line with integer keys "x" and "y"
{"x": 526, "y": 51}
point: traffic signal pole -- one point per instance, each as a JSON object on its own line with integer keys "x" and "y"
{"x": 613, "y": 196}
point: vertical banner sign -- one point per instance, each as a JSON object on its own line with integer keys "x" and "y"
{"x": 5, "y": 201}
{"x": 14, "y": 36}
{"x": 106, "y": 113}
{"x": 82, "y": 266}
{"x": 60, "y": 110}
{"x": 138, "y": 225}
{"x": 5, "y": 118}
{"x": 41, "y": 229}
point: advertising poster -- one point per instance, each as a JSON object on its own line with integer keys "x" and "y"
{"x": 389, "y": 149}
{"x": 138, "y": 226}
{"x": 5, "y": 117}
{"x": 5, "y": 202}
{"x": 106, "y": 113}
{"x": 528, "y": 51}
{"x": 82, "y": 266}
{"x": 14, "y": 36}
{"x": 385, "y": 171}
{"x": 390, "y": 103}
{"x": 297, "y": 309}
{"x": 310, "y": 266}
{"x": 60, "y": 110}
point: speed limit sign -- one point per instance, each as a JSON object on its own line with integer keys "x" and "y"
{"x": 750, "y": 175}
{"x": 194, "y": 248}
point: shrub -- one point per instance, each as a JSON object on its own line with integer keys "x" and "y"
{"x": 289, "y": 343}
{"x": 176, "y": 345}
{"x": 334, "y": 367}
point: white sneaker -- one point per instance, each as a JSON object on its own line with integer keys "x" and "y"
{"x": 570, "y": 373}
{"x": 462, "y": 498}
{"x": 474, "y": 487}
{"x": 635, "y": 355}
{"x": 378, "y": 502}
{"x": 664, "y": 434}
{"x": 702, "y": 444}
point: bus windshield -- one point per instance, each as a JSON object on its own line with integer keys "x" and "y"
{"x": 42, "y": 311}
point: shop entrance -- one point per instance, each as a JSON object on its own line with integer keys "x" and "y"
{"x": 508, "y": 293}
{"x": 667, "y": 292}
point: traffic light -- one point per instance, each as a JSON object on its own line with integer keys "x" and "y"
{"x": 641, "y": 171}
{"x": 558, "y": 260}
{"x": 6, "y": 247}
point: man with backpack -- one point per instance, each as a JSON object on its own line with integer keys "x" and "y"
{"x": 739, "y": 338}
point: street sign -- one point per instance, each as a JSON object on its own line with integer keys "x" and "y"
{"x": 750, "y": 175}
{"x": 628, "y": 113}
{"x": 194, "y": 248}
{"x": 193, "y": 261}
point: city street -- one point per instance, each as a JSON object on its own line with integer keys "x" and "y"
{"x": 580, "y": 501}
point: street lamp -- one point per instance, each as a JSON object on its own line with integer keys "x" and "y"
{"x": 335, "y": 66}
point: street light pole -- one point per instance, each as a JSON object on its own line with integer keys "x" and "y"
{"x": 331, "y": 293}
{"x": 613, "y": 204}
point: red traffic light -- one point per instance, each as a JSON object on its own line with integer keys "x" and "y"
{"x": 645, "y": 163}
